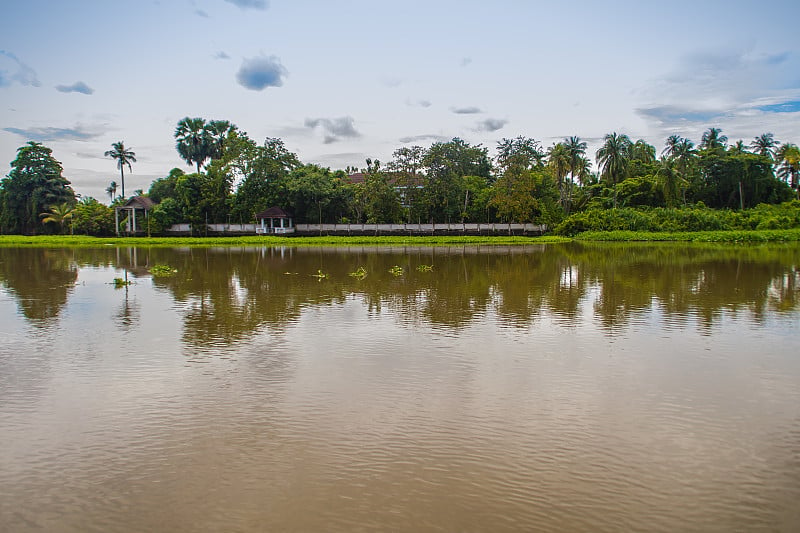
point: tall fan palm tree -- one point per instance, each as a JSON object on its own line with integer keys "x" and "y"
{"x": 612, "y": 158}
{"x": 194, "y": 143}
{"x": 218, "y": 131}
{"x": 123, "y": 157}
{"x": 765, "y": 144}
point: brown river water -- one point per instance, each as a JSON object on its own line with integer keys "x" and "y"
{"x": 535, "y": 388}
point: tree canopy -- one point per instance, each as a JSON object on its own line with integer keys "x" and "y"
{"x": 236, "y": 177}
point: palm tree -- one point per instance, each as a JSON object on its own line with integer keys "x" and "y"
{"x": 59, "y": 214}
{"x": 218, "y": 131}
{"x": 576, "y": 152}
{"x": 194, "y": 143}
{"x": 584, "y": 171}
{"x": 713, "y": 139}
{"x": 685, "y": 156}
{"x": 670, "y": 145}
{"x": 738, "y": 148}
{"x": 765, "y": 144}
{"x": 558, "y": 161}
{"x": 788, "y": 159}
{"x": 612, "y": 159}
{"x": 111, "y": 190}
{"x": 670, "y": 180}
{"x": 123, "y": 157}
{"x": 643, "y": 151}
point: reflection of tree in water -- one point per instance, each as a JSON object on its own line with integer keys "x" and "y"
{"x": 232, "y": 293}
{"x": 229, "y": 294}
{"x": 705, "y": 281}
{"x": 41, "y": 280}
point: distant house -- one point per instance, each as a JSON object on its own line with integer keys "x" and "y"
{"x": 402, "y": 184}
{"x": 274, "y": 220}
{"x": 129, "y": 209}
{"x": 356, "y": 177}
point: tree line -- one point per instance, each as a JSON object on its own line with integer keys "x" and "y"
{"x": 235, "y": 178}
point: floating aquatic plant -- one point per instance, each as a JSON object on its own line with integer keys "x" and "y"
{"x": 119, "y": 282}
{"x": 396, "y": 271}
{"x": 320, "y": 275}
{"x": 162, "y": 270}
{"x": 425, "y": 268}
{"x": 361, "y": 273}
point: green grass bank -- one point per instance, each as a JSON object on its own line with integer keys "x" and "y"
{"x": 722, "y": 236}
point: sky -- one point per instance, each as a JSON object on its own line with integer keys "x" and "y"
{"x": 340, "y": 81}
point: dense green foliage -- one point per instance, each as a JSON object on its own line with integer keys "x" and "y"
{"x": 711, "y": 186}
{"x": 699, "y": 218}
{"x": 33, "y": 186}
{"x": 90, "y": 217}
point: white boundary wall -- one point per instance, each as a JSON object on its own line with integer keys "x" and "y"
{"x": 370, "y": 229}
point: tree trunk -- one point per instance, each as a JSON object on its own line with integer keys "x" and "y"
{"x": 741, "y": 198}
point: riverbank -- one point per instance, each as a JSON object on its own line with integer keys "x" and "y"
{"x": 756, "y": 236}
{"x": 734, "y": 236}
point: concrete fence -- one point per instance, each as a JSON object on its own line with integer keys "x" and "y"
{"x": 365, "y": 229}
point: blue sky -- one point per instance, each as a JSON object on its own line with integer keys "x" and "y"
{"x": 340, "y": 81}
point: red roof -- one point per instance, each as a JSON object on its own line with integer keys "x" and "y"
{"x": 273, "y": 212}
{"x": 356, "y": 177}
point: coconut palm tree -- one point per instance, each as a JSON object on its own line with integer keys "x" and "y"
{"x": 670, "y": 145}
{"x": 612, "y": 158}
{"x": 788, "y": 159}
{"x": 123, "y": 157}
{"x": 576, "y": 152}
{"x": 765, "y": 144}
{"x": 713, "y": 139}
{"x": 58, "y": 214}
{"x": 558, "y": 161}
{"x": 670, "y": 180}
{"x": 194, "y": 143}
{"x": 643, "y": 151}
{"x": 111, "y": 190}
{"x": 738, "y": 148}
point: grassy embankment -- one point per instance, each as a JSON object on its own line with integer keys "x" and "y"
{"x": 722, "y": 236}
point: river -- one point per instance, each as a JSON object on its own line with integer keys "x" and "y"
{"x": 575, "y": 387}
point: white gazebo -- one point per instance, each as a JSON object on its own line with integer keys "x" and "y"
{"x": 279, "y": 221}
{"x": 134, "y": 203}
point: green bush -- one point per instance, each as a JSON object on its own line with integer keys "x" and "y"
{"x": 696, "y": 218}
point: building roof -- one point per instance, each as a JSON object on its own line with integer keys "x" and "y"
{"x": 140, "y": 202}
{"x": 273, "y": 212}
{"x": 356, "y": 177}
